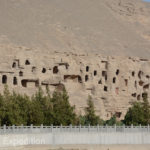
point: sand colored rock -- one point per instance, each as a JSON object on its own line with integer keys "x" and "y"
{"x": 109, "y": 27}
{"x": 113, "y": 82}
{"x": 99, "y": 48}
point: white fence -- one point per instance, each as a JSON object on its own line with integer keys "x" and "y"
{"x": 59, "y": 135}
{"x": 98, "y": 129}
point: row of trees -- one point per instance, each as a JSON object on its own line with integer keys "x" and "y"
{"x": 39, "y": 109}
{"x": 16, "y": 109}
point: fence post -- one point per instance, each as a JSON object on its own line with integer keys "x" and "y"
{"x": 22, "y": 128}
{"x": 60, "y": 127}
{"x": 41, "y": 128}
{"x": 31, "y": 128}
{"x": 70, "y": 127}
{"x": 4, "y": 128}
{"x": 131, "y": 127}
{"x": 115, "y": 128}
{"x": 80, "y": 128}
{"x": 51, "y": 127}
{"x": 140, "y": 127}
{"x": 123, "y": 128}
{"x": 98, "y": 128}
{"x": 89, "y": 128}
{"x": 13, "y": 128}
{"x": 148, "y": 128}
{"x": 106, "y": 127}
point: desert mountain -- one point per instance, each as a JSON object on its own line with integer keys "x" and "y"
{"x": 109, "y": 27}
{"x": 67, "y": 43}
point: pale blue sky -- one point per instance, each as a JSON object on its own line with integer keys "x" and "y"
{"x": 147, "y": 0}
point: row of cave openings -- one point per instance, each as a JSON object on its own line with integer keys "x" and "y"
{"x": 17, "y": 63}
{"x": 4, "y": 80}
{"x": 24, "y": 84}
{"x": 15, "y": 81}
{"x": 139, "y": 96}
{"x": 104, "y": 74}
{"x": 44, "y": 70}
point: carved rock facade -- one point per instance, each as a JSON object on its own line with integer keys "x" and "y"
{"x": 113, "y": 82}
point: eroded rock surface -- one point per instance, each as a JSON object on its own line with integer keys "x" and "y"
{"x": 91, "y": 47}
{"x": 113, "y": 82}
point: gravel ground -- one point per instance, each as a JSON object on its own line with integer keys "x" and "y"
{"x": 80, "y": 147}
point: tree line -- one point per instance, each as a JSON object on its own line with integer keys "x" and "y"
{"x": 48, "y": 109}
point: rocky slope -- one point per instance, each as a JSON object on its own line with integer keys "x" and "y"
{"x": 110, "y": 27}
{"x": 45, "y": 43}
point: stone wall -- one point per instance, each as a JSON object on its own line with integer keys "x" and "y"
{"x": 113, "y": 82}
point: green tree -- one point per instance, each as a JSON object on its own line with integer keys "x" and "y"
{"x": 63, "y": 113}
{"x": 139, "y": 113}
{"x": 2, "y": 110}
{"x": 134, "y": 115}
{"x": 81, "y": 120}
{"x": 146, "y": 109}
{"x": 45, "y": 102}
{"x": 90, "y": 116}
{"x": 113, "y": 121}
{"x": 15, "y": 108}
{"x": 36, "y": 115}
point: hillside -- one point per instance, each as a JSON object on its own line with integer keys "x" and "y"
{"x": 110, "y": 27}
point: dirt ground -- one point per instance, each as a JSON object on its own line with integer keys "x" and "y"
{"x": 80, "y": 147}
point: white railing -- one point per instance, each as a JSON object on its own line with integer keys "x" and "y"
{"x": 48, "y": 129}
{"x": 61, "y": 135}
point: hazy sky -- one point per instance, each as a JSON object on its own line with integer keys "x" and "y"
{"x": 147, "y": 0}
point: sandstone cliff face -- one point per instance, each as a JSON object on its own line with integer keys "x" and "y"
{"x": 90, "y": 47}
{"x": 113, "y": 82}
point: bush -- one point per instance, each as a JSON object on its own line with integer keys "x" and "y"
{"x": 139, "y": 113}
{"x": 113, "y": 121}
